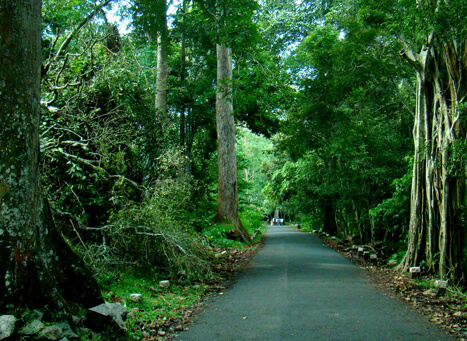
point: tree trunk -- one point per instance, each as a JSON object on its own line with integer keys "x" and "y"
{"x": 438, "y": 184}
{"x": 330, "y": 225}
{"x": 184, "y": 144}
{"x": 37, "y": 266}
{"x": 162, "y": 62}
{"x": 358, "y": 221}
{"x": 183, "y": 80}
{"x": 227, "y": 199}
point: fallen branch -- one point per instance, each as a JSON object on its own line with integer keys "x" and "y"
{"x": 95, "y": 167}
{"x": 152, "y": 234}
{"x": 74, "y": 32}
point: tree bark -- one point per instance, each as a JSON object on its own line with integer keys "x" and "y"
{"x": 162, "y": 62}
{"x": 438, "y": 189}
{"x": 227, "y": 199}
{"x": 183, "y": 79}
{"x": 37, "y": 266}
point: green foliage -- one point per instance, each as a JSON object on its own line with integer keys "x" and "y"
{"x": 259, "y": 91}
{"x": 393, "y": 213}
{"x": 284, "y": 23}
{"x": 153, "y": 234}
{"x": 158, "y": 305}
{"x": 309, "y": 223}
{"x": 413, "y": 21}
{"x": 252, "y": 219}
{"x": 399, "y": 255}
{"x": 97, "y": 135}
{"x": 217, "y": 236}
{"x": 132, "y": 186}
{"x": 122, "y": 188}
{"x": 458, "y": 159}
{"x": 221, "y": 234}
{"x": 149, "y": 17}
{"x": 254, "y": 159}
{"x": 347, "y": 133}
{"x": 61, "y": 14}
{"x": 228, "y": 22}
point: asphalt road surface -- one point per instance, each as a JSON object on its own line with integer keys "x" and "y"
{"x": 299, "y": 289}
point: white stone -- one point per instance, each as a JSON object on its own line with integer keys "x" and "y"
{"x": 219, "y": 255}
{"x": 441, "y": 284}
{"x": 164, "y": 284}
{"x": 135, "y": 297}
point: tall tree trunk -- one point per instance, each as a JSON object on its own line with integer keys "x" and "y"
{"x": 438, "y": 184}
{"x": 183, "y": 140}
{"x": 330, "y": 224}
{"x": 371, "y": 221}
{"x": 358, "y": 221}
{"x": 37, "y": 266}
{"x": 183, "y": 108}
{"x": 162, "y": 62}
{"x": 227, "y": 199}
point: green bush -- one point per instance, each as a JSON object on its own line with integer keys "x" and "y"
{"x": 218, "y": 234}
{"x": 309, "y": 223}
{"x": 157, "y": 305}
{"x": 252, "y": 219}
{"x": 153, "y": 234}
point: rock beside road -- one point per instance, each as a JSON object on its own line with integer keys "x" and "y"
{"x": 7, "y": 326}
{"x": 105, "y": 317}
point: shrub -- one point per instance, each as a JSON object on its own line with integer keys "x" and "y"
{"x": 152, "y": 234}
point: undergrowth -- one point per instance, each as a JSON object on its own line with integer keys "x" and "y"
{"x": 160, "y": 307}
{"x": 221, "y": 235}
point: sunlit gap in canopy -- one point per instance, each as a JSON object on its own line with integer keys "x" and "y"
{"x": 125, "y": 26}
{"x": 114, "y": 15}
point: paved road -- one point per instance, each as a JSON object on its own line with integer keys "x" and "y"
{"x": 298, "y": 289}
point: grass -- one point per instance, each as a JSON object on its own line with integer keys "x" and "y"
{"x": 157, "y": 305}
{"x": 424, "y": 283}
{"x": 217, "y": 234}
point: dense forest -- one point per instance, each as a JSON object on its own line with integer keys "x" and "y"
{"x": 166, "y": 129}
